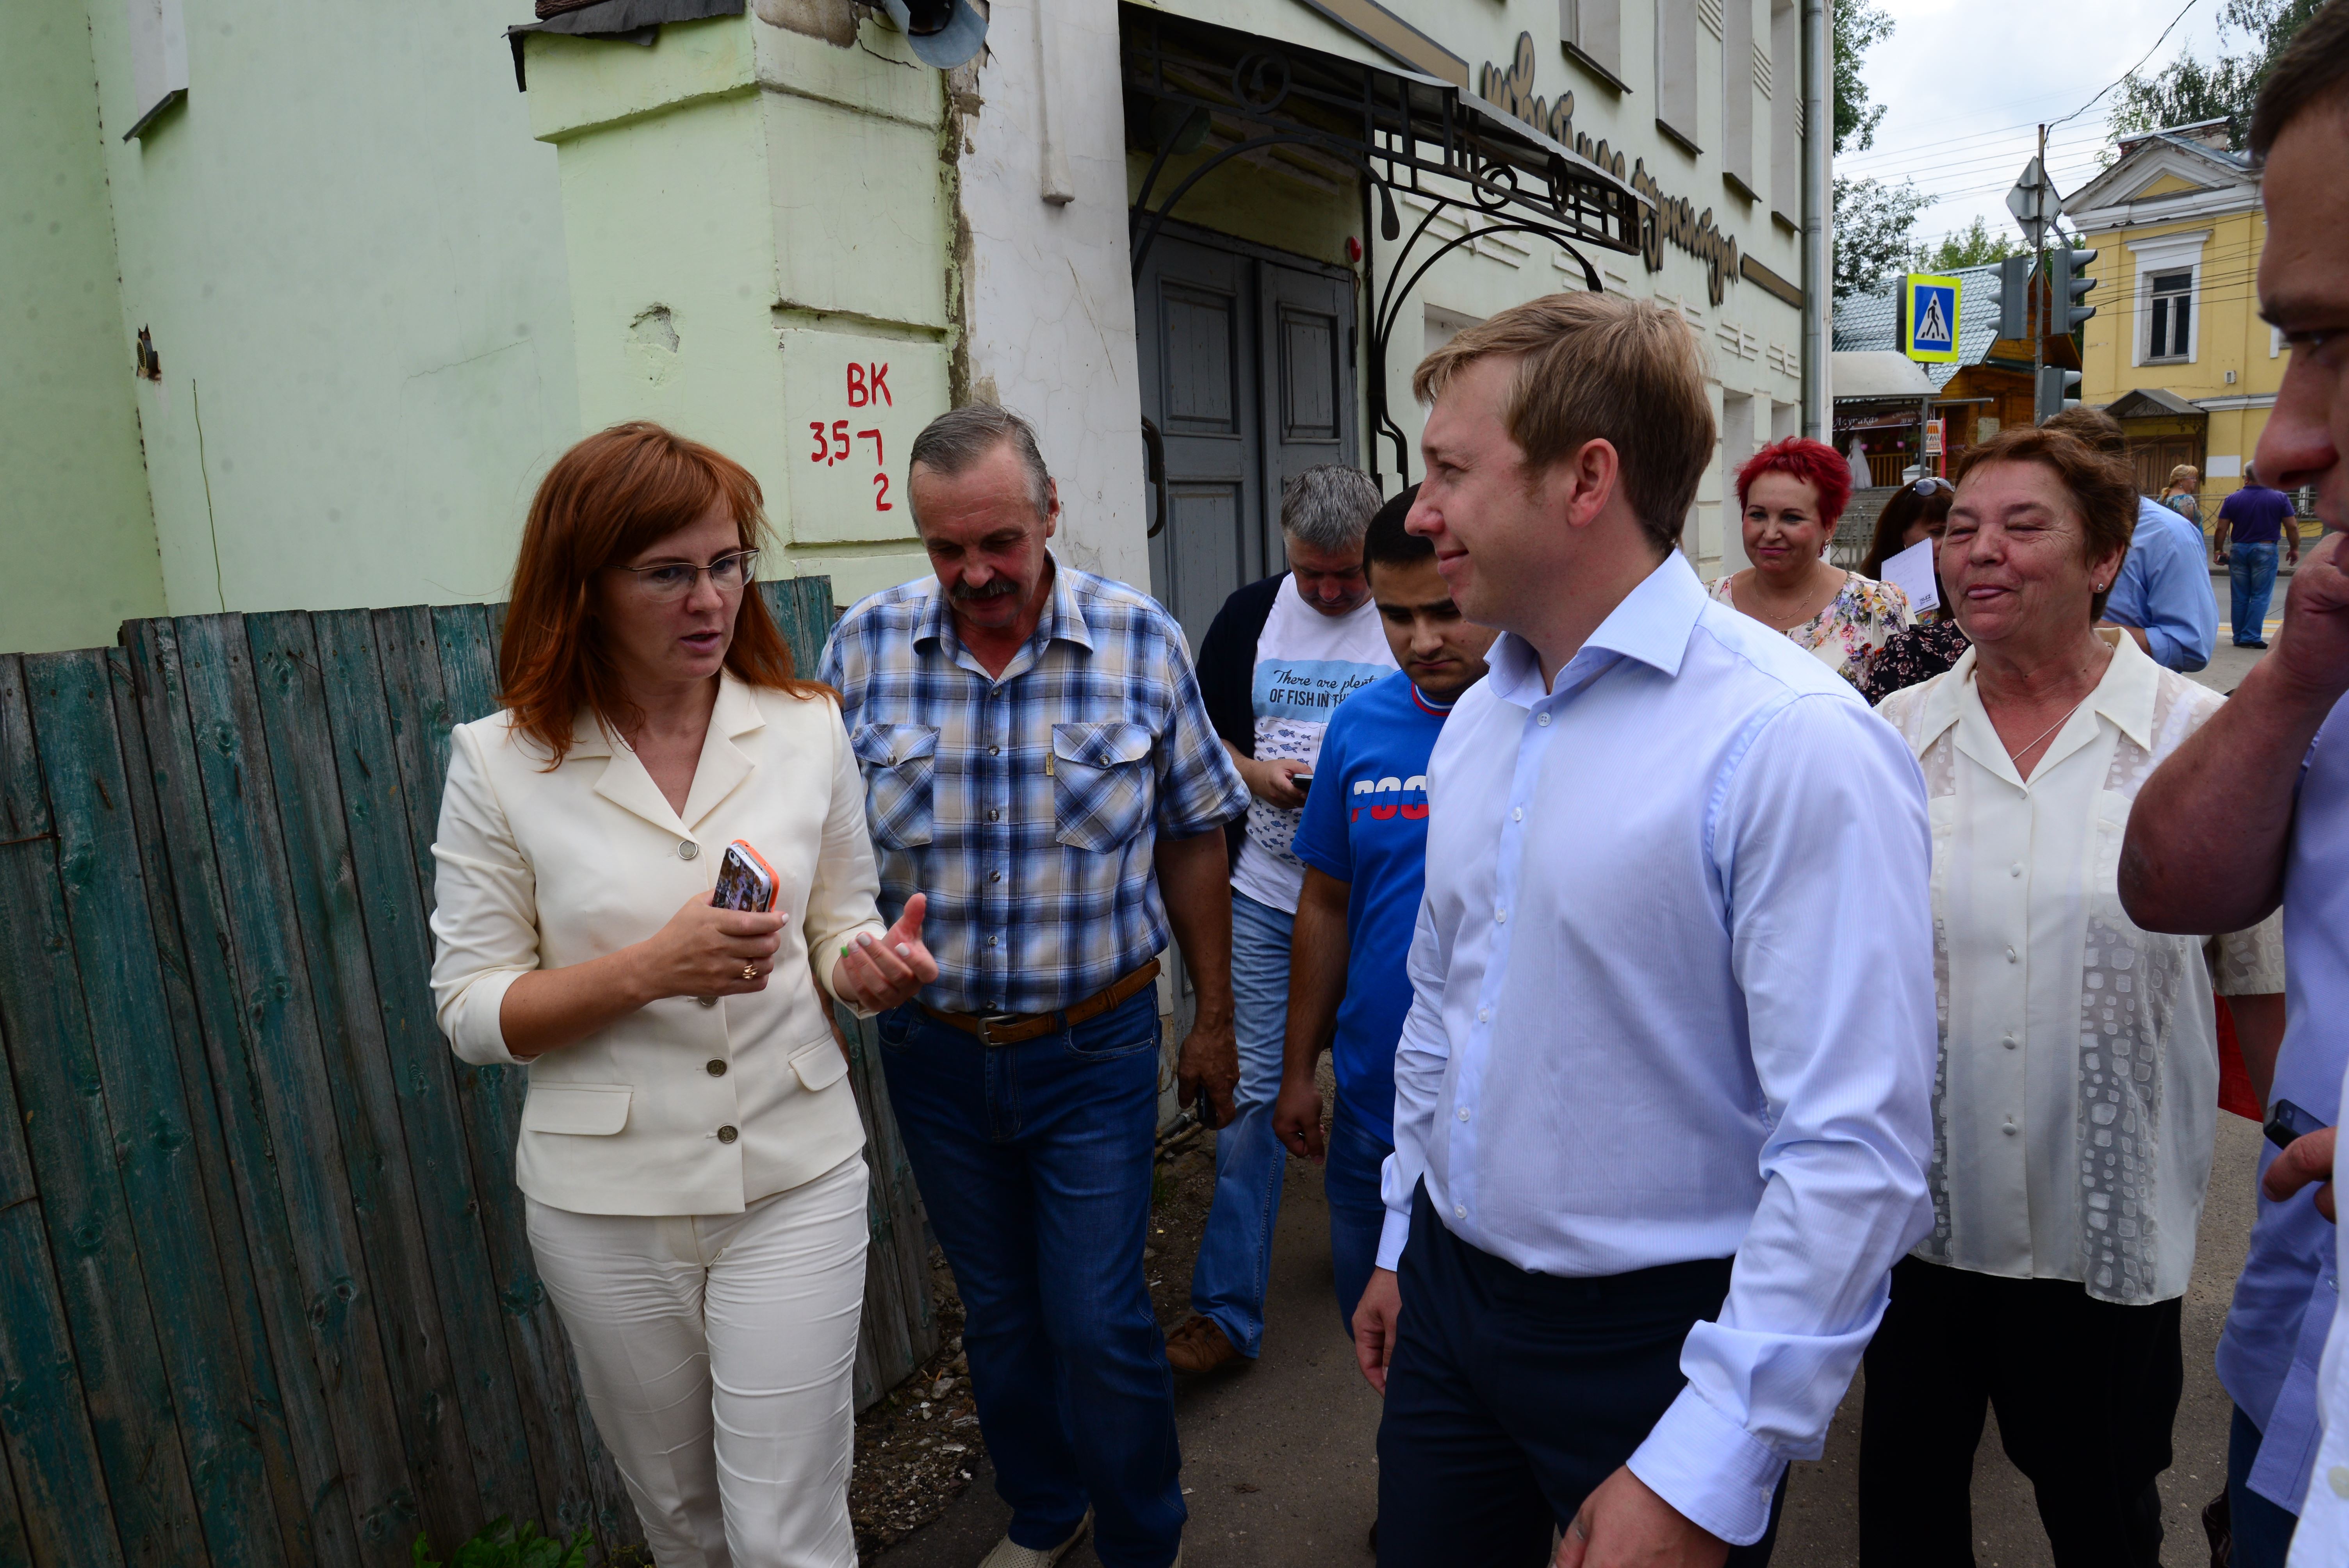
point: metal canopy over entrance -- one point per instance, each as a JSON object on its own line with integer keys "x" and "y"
{"x": 1196, "y": 83}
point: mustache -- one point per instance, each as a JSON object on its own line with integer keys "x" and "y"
{"x": 963, "y": 594}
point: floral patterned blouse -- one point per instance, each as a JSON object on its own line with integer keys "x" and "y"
{"x": 1855, "y": 623}
{"x": 1911, "y": 657}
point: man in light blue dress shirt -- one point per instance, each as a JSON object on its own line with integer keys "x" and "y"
{"x": 2253, "y": 810}
{"x": 2163, "y": 596}
{"x": 1663, "y": 1099}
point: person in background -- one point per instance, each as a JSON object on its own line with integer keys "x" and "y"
{"x": 2182, "y": 494}
{"x": 1364, "y": 845}
{"x": 2162, "y": 597}
{"x": 1789, "y": 495}
{"x": 1932, "y": 641}
{"x": 2254, "y": 809}
{"x": 2076, "y": 1102}
{"x": 1036, "y": 755}
{"x": 1280, "y": 656}
{"x": 1662, "y": 1097}
{"x": 690, "y": 1155}
{"x": 2251, "y": 522}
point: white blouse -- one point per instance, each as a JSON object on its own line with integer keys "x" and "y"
{"x": 2077, "y": 1092}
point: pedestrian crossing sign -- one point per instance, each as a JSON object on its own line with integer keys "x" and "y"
{"x": 1929, "y": 317}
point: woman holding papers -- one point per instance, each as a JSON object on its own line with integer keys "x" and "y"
{"x": 1911, "y": 525}
{"x": 1789, "y": 495}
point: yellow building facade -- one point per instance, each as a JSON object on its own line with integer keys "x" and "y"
{"x": 2176, "y": 351}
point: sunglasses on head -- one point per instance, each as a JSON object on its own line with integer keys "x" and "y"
{"x": 1926, "y": 486}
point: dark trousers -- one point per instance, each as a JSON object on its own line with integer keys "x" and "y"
{"x": 2085, "y": 1391}
{"x": 1511, "y": 1395}
{"x": 1034, "y": 1162}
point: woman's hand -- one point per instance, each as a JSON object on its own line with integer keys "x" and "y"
{"x": 877, "y": 973}
{"x": 705, "y": 951}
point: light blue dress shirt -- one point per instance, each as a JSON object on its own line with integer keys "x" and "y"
{"x": 1674, "y": 1000}
{"x": 2291, "y": 1283}
{"x": 2164, "y": 589}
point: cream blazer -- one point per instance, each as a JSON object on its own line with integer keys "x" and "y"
{"x": 691, "y": 1105}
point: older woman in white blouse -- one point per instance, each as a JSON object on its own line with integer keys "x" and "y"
{"x": 2076, "y": 1098}
{"x": 690, "y": 1148}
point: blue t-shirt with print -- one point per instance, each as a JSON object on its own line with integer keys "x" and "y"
{"x": 1366, "y": 825}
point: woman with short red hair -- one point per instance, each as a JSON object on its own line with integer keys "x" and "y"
{"x": 1789, "y": 497}
{"x": 690, "y": 1149}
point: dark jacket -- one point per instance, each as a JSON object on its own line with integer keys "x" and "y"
{"x": 1228, "y": 673}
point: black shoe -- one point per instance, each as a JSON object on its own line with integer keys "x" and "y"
{"x": 2255, "y": 643}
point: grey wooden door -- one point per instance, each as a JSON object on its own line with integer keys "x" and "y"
{"x": 1248, "y": 373}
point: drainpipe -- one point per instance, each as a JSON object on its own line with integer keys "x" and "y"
{"x": 1818, "y": 229}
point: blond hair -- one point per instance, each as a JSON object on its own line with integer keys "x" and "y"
{"x": 2181, "y": 473}
{"x": 1595, "y": 366}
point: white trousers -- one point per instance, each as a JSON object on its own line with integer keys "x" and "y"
{"x": 716, "y": 1353}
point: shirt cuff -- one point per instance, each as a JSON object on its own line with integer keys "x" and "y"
{"x": 1719, "y": 1475}
{"x": 1391, "y": 1237}
{"x": 832, "y": 969}
{"x": 479, "y": 1034}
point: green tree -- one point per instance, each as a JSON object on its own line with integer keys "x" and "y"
{"x": 1973, "y": 246}
{"x": 1873, "y": 224}
{"x": 2188, "y": 90}
{"x": 1873, "y": 221}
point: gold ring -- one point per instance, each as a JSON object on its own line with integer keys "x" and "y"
{"x": 750, "y": 972}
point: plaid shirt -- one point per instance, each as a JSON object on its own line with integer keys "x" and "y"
{"x": 1028, "y": 806}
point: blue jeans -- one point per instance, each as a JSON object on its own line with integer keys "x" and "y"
{"x": 1234, "y": 1267}
{"x": 1358, "y": 1216}
{"x": 1034, "y": 1160}
{"x": 2251, "y": 575}
{"x": 2261, "y": 1530}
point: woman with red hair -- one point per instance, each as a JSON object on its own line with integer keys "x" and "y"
{"x": 1789, "y": 495}
{"x": 691, "y": 1150}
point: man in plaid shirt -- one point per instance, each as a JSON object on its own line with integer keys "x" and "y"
{"x": 1037, "y": 762}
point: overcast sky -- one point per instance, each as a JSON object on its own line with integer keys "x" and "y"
{"x": 1965, "y": 82}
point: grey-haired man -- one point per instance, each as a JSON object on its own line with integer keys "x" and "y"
{"x": 1280, "y": 656}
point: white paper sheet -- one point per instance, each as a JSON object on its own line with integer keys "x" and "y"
{"x": 1911, "y": 571}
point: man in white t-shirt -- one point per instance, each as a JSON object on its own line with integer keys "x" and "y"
{"x": 1281, "y": 656}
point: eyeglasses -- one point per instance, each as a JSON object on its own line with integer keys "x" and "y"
{"x": 668, "y": 580}
{"x": 1929, "y": 484}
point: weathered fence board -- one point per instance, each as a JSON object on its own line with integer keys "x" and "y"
{"x": 319, "y": 1406}
{"x": 266, "y": 1293}
{"x": 71, "y": 1141}
{"x": 72, "y": 706}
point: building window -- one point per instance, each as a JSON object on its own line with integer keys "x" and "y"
{"x": 1676, "y": 72}
{"x": 2172, "y": 315}
{"x": 1592, "y": 31}
{"x": 1745, "y": 72}
{"x": 1786, "y": 94}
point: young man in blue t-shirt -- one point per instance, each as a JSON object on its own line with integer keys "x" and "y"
{"x": 1363, "y": 840}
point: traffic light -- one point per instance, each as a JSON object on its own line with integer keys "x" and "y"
{"x": 2057, "y": 391}
{"x": 2071, "y": 287}
{"x": 2013, "y": 296}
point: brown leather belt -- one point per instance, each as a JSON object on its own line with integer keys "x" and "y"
{"x": 1014, "y": 1028}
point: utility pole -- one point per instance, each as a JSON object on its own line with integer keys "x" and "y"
{"x": 2039, "y": 271}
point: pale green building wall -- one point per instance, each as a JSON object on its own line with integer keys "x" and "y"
{"x": 349, "y": 250}
{"x": 76, "y": 538}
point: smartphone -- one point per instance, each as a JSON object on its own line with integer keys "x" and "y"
{"x": 1303, "y": 781}
{"x": 745, "y": 880}
{"x": 2287, "y": 1123}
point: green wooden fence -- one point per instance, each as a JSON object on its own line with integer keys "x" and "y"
{"x": 265, "y": 1293}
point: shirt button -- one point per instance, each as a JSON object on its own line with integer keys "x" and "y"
{"x": 1483, "y": 1015}
{"x": 727, "y": 1135}
{"x": 1517, "y": 813}
{"x": 2010, "y": 1042}
{"x": 1463, "y": 1113}
{"x": 992, "y": 814}
{"x": 688, "y": 849}
{"x": 716, "y": 1069}
{"x": 2009, "y": 1129}
{"x": 1459, "y": 1211}
{"x": 1543, "y": 720}
{"x": 990, "y": 941}
{"x": 994, "y": 752}
{"x": 1499, "y": 915}
{"x": 995, "y": 876}
{"x": 707, "y": 1001}
{"x": 2015, "y": 870}
{"x": 2010, "y": 957}
{"x": 2337, "y": 1478}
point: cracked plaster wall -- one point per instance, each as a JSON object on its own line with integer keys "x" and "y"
{"x": 1049, "y": 297}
